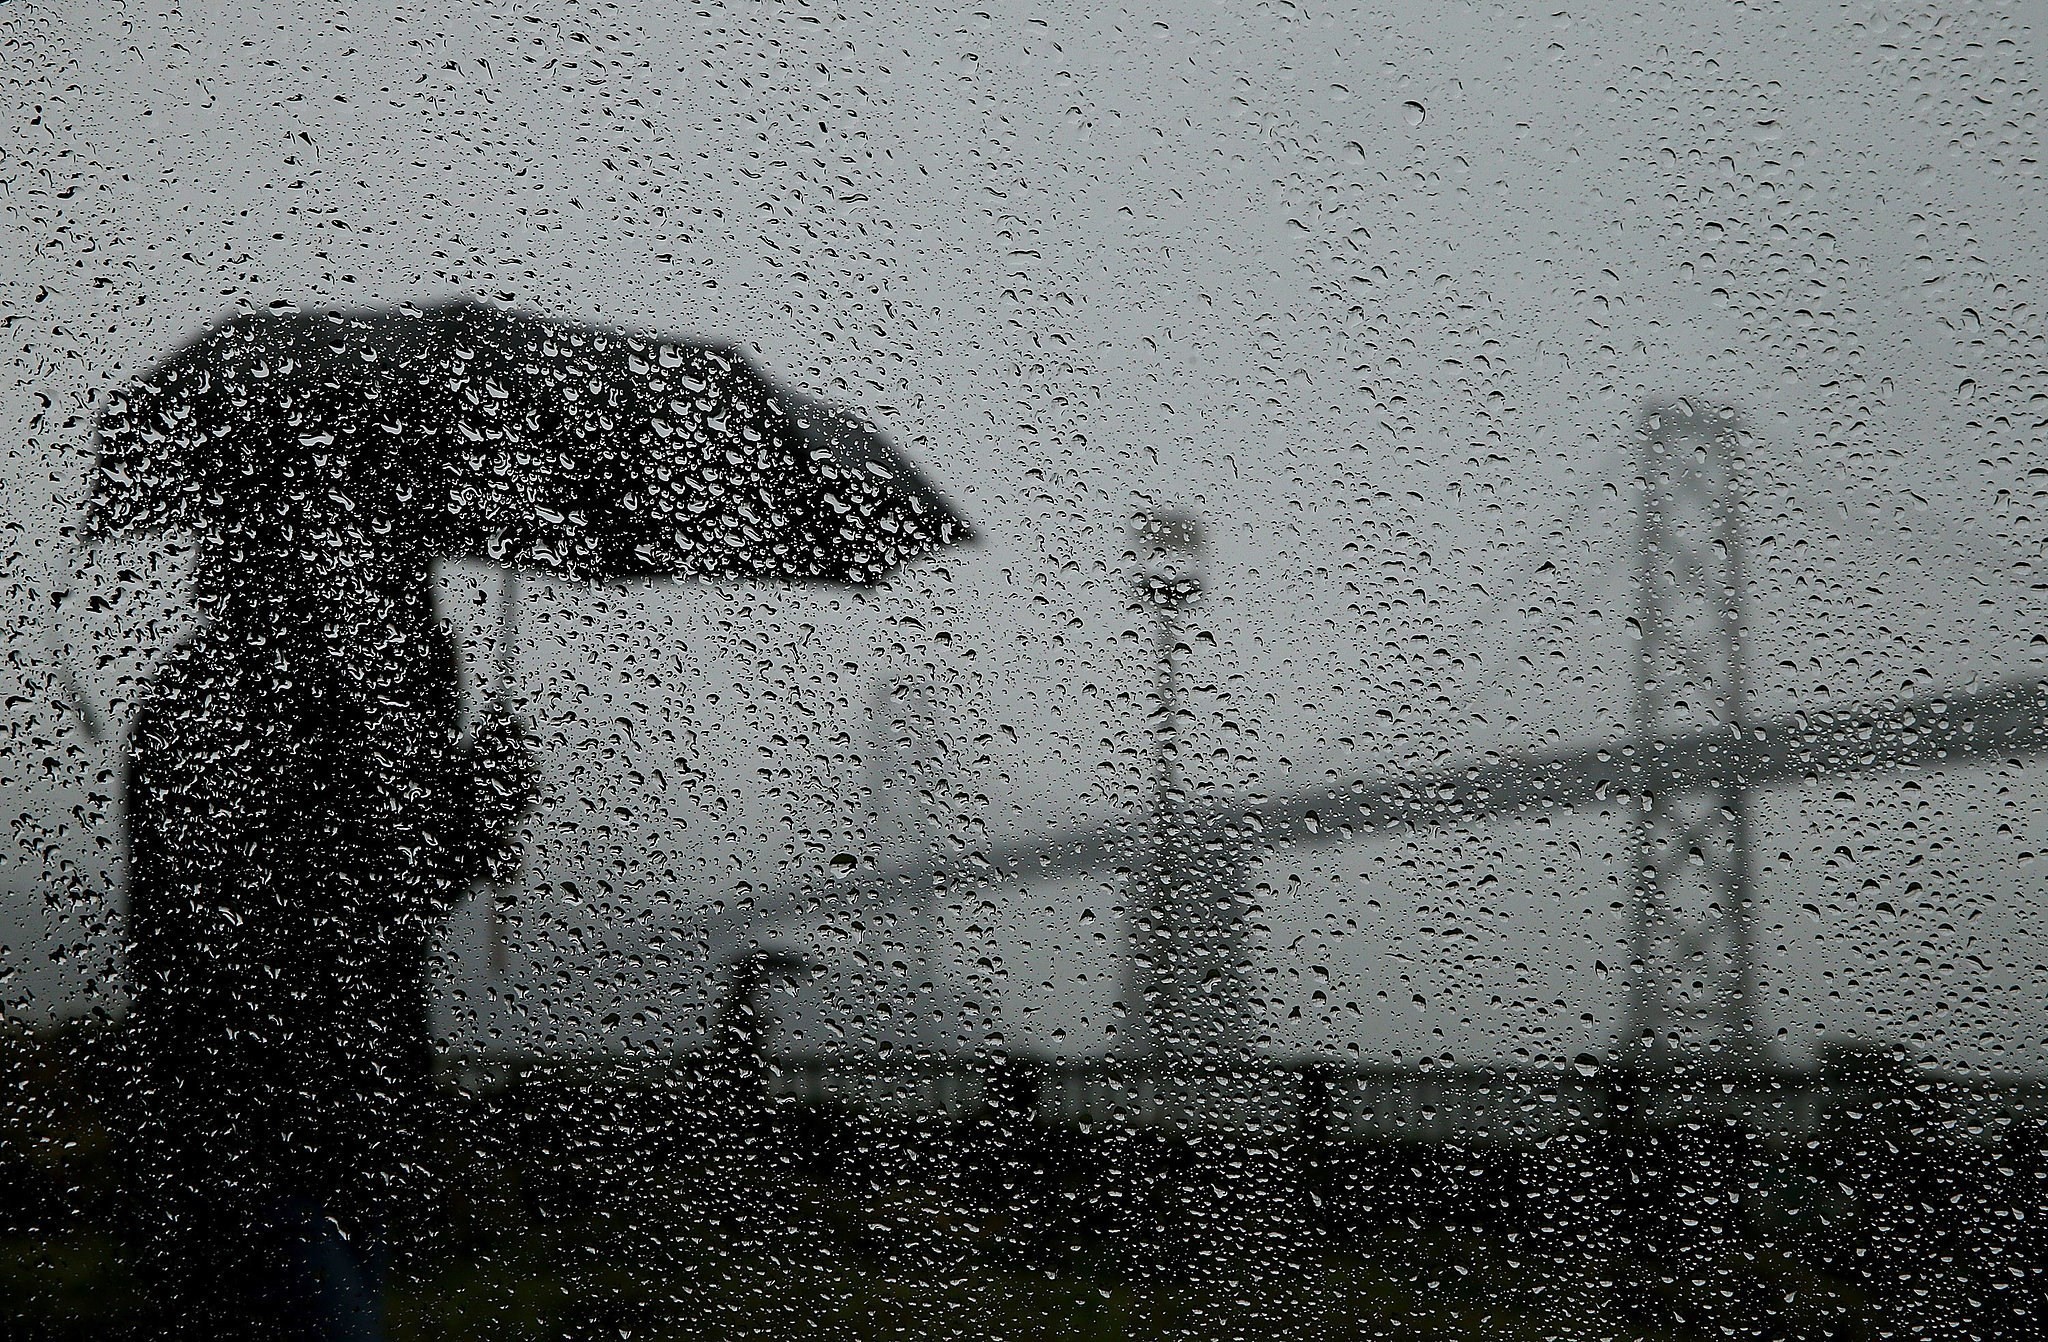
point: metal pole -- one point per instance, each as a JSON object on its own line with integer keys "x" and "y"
{"x": 1168, "y": 547}
{"x": 1160, "y": 868}
{"x": 507, "y": 656}
{"x": 1641, "y": 1018}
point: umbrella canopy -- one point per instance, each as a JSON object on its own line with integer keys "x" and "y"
{"x": 462, "y": 429}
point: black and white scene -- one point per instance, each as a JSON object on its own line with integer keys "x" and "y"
{"x": 1255, "y": 670}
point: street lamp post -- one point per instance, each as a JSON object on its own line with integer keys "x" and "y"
{"x": 1166, "y": 581}
{"x": 1169, "y": 580}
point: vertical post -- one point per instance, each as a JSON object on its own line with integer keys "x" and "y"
{"x": 507, "y": 657}
{"x": 1693, "y": 993}
{"x": 1185, "y": 929}
{"x": 905, "y": 769}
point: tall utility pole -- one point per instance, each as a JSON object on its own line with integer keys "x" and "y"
{"x": 1169, "y": 581}
{"x": 1693, "y": 995}
{"x": 1186, "y": 929}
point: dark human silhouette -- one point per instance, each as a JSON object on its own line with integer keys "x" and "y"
{"x": 303, "y": 808}
{"x": 303, "y": 813}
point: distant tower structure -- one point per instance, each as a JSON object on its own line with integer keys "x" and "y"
{"x": 917, "y": 814}
{"x": 906, "y": 769}
{"x": 1693, "y": 992}
{"x": 1187, "y": 936}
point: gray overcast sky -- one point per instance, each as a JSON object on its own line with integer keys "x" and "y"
{"x": 1378, "y": 290}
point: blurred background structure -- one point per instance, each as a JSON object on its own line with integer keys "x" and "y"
{"x": 1692, "y": 1019}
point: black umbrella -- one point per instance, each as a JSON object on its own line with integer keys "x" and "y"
{"x": 584, "y": 451}
{"x": 390, "y": 437}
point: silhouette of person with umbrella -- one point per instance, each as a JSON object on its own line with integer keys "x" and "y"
{"x": 304, "y": 807}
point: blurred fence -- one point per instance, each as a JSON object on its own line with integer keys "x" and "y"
{"x": 722, "y": 1194}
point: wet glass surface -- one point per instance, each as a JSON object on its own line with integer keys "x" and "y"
{"x": 1265, "y": 671}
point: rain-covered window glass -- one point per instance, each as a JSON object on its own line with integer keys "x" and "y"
{"x": 1238, "y": 671}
